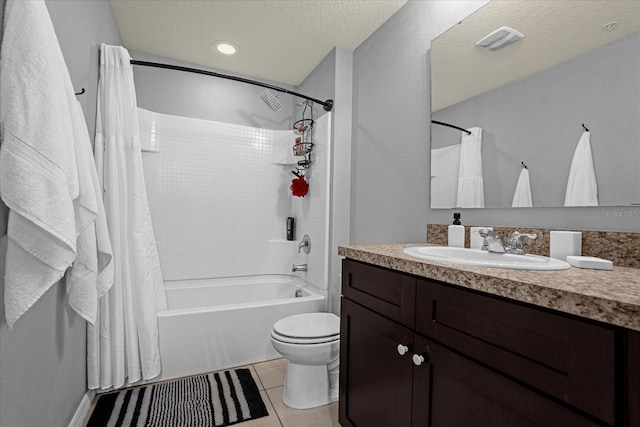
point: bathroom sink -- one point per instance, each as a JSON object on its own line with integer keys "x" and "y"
{"x": 482, "y": 258}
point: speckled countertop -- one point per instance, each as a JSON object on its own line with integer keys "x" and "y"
{"x": 611, "y": 297}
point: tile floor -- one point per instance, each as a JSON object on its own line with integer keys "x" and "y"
{"x": 269, "y": 377}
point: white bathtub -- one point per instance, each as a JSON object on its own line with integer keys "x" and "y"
{"x": 213, "y": 324}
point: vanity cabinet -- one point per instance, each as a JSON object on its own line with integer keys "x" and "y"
{"x": 455, "y": 357}
{"x": 376, "y": 388}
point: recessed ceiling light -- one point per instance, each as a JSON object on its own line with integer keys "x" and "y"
{"x": 226, "y": 48}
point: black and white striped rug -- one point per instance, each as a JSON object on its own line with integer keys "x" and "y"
{"x": 211, "y": 400}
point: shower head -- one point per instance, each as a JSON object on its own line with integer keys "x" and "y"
{"x": 271, "y": 100}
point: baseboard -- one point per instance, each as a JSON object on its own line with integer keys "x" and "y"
{"x": 83, "y": 409}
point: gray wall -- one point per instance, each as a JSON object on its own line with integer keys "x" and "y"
{"x": 204, "y": 97}
{"x": 538, "y": 119}
{"x": 390, "y": 157}
{"x": 333, "y": 79}
{"x": 391, "y": 138}
{"x": 43, "y": 359}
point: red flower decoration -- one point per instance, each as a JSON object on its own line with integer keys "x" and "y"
{"x": 299, "y": 186}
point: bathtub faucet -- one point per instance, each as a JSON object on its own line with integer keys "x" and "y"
{"x": 299, "y": 267}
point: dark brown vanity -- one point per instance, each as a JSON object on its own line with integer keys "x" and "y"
{"x": 418, "y": 351}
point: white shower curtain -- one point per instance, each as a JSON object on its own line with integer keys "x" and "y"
{"x": 470, "y": 182}
{"x": 123, "y": 347}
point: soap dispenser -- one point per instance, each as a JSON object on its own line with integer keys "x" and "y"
{"x": 456, "y": 232}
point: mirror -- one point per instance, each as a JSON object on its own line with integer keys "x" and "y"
{"x": 578, "y": 63}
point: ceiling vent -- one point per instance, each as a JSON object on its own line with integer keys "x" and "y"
{"x": 502, "y": 37}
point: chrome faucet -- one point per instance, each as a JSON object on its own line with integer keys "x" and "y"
{"x": 299, "y": 267}
{"x": 493, "y": 242}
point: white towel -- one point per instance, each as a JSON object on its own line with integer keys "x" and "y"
{"x": 91, "y": 274}
{"x": 470, "y": 182}
{"x": 582, "y": 188}
{"x": 39, "y": 171}
{"x": 522, "y": 195}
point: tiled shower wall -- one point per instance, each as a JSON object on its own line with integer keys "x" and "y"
{"x": 219, "y": 198}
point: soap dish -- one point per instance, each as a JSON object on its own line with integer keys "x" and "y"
{"x": 590, "y": 262}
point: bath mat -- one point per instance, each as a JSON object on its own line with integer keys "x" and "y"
{"x": 210, "y": 400}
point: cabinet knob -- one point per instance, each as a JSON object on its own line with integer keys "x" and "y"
{"x": 418, "y": 359}
{"x": 402, "y": 349}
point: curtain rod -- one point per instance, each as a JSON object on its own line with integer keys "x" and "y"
{"x": 451, "y": 126}
{"x": 327, "y": 105}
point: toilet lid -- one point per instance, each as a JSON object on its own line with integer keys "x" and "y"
{"x": 308, "y": 326}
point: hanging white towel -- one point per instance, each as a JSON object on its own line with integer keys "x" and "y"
{"x": 582, "y": 188}
{"x": 522, "y": 195}
{"x": 38, "y": 169}
{"x": 91, "y": 274}
{"x": 470, "y": 183}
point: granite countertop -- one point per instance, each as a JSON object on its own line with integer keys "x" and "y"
{"x": 611, "y": 297}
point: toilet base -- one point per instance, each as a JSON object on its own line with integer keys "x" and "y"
{"x": 306, "y": 386}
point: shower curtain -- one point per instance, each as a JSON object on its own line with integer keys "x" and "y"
{"x": 470, "y": 182}
{"x": 123, "y": 347}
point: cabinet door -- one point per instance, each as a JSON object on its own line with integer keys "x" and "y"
{"x": 451, "y": 390}
{"x": 632, "y": 378}
{"x": 375, "y": 380}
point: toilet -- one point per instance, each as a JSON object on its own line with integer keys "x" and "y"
{"x": 311, "y": 344}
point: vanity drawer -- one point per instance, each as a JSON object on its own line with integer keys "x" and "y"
{"x": 387, "y": 292}
{"x": 566, "y": 358}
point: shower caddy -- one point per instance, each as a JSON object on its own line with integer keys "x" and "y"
{"x": 303, "y": 148}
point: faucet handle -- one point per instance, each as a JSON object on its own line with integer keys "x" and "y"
{"x": 305, "y": 244}
{"x": 516, "y": 240}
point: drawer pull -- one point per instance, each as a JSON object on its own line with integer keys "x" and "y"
{"x": 418, "y": 359}
{"x": 402, "y": 349}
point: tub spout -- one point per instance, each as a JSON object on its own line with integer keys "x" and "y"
{"x": 299, "y": 267}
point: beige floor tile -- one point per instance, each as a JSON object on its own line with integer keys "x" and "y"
{"x": 271, "y": 372}
{"x": 323, "y": 416}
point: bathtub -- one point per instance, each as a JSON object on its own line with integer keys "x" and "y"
{"x": 213, "y": 324}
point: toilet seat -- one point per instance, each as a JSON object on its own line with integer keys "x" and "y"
{"x": 303, "y": 341}
{"x": 307, "y": 328}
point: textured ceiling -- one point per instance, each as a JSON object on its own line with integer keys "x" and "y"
{"x": 281, "y": 41}
{"x": 554, "y": 31}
